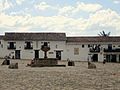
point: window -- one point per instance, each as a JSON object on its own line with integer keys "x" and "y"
{"x": 88, "y": 45}
{"x": 11, "y": 45}
{"x": 95, "y": 48}
{"x": 76, "y": 51}
{"x": 110, "y": 46}
{"x": 28, "y": 45}
{"x": 46, "y": 44}
{"x": 82, "y": 46}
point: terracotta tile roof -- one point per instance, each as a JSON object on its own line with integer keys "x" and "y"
{"x": 94, "y": 39}
{"x": 57, "y": 37}
{"x": 36, "y": 36}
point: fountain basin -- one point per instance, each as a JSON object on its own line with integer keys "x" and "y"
{"x": 48, "y": 62}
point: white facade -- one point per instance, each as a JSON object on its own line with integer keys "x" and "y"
{"x": 30, "y": 53}
{"x": 76, "y": 51}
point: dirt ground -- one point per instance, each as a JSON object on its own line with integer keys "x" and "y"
{"x": 78, "y": 77}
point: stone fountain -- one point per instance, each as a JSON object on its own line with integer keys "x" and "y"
{"x": 45, "y": 49}
{"x": 42, "y": 62}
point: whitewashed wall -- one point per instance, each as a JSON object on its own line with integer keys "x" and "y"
{"x": 2, "y": 52}
{"x": 29, "y": 53}
{"x": 67, "y": 50}
{"x": 83, "y": 52}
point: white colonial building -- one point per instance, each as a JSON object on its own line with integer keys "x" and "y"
{"x": 28, "y": 46}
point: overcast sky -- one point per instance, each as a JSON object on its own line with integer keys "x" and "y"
{"x": 74, "y": 17}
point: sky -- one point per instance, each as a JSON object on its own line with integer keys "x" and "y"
{"x": 73, "y": 17}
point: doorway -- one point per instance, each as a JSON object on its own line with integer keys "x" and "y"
{"x": 58, "y": 55}
{"x": 108, "y": 58}
{"x": 119, "y": 58}
{"x": 95, "y": 58}
{"x": 17, "y": 54}
{"x": 36, "y": 54}
{"x": 111, "y": 58}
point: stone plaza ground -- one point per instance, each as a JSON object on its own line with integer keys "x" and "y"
{"x": 78, "y": 77}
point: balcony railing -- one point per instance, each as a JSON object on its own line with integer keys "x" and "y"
{"x": 112, "y": 50}
{"x": 94, "y": 50}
